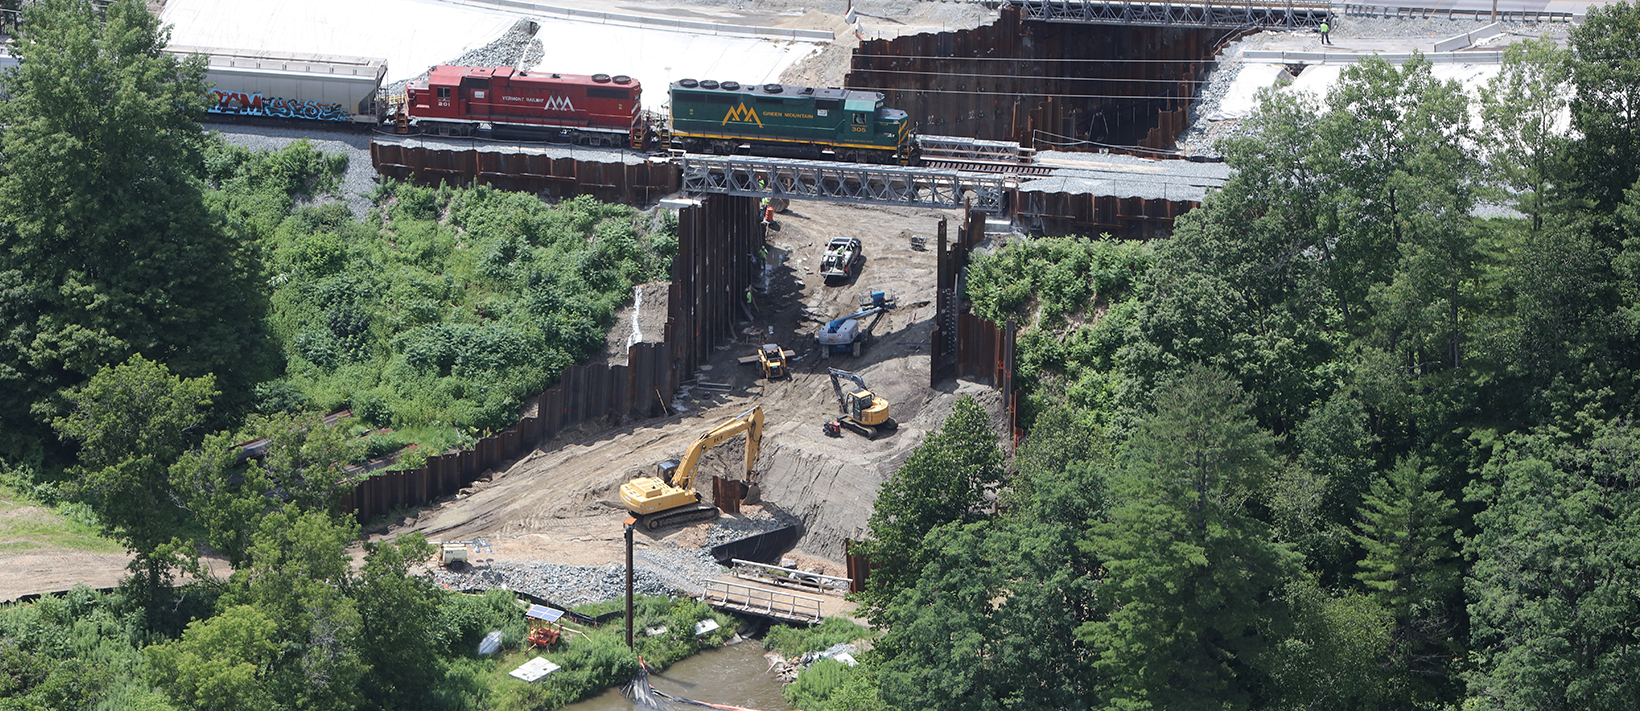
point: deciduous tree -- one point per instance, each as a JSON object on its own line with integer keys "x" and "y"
{"x": 1556, "y": 563}
{"x": 131, "y": 421}
{"x": 106, "y": 246}
{"x": 943, "y": 481}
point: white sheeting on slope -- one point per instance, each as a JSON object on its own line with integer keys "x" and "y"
{"x": 1242, "y": 95}
{"x": 411, "y": 34}
{"x": 416, "y": 34}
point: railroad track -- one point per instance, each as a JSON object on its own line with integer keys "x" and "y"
{"x": 989, "y": 167}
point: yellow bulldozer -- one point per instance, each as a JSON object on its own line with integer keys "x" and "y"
{"x": 669, "y": 498}
{"x": 863, "y": 412}
{"x": 773, "y": 360}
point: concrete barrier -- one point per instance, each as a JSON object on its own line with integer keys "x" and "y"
{"x": 1491, "y": 57}
{"x": 1468, "y": 39}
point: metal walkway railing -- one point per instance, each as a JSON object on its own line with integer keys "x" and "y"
{"x": 750, "y": 600}
{"x": 1478, "y": 15}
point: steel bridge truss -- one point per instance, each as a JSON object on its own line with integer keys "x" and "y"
{"x": 963, "y": 148}
{"x": 1229, "y": 14}
{"x": 841, "y": 182}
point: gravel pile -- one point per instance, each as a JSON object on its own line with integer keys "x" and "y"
{"x": 1367, "y": 27}
{"x": 734, "y": 529}
{"x": 657, "y": 573}
{"x": 1201, "y": 135}
{"x": 517, "y": 47}
{"x": 562, "y": 584}
{"x": 661, "y": 570}
{"x": 357, "y": 183}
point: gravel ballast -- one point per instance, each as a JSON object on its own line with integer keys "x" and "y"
{"x": 358, "y": 182}
{"x": 660, "y": 568}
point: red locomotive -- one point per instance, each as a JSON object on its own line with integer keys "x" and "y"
{"x": 596, "y": 110}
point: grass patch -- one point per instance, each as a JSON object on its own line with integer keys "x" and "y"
{"x": 794, "y": 641}
{"x": 600, "y": 659}
{"x": 28, "y": 525}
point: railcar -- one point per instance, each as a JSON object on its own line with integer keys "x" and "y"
{"x": 289, "y": 85}
{"x": 599, "y": 110}
{"x": 790, "y": 122}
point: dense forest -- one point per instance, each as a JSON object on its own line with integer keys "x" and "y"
{"x": 164, "y": 296}
{"x": 1353, "y": 438}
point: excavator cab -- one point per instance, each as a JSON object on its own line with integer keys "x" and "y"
{"x": 863, "y": 412}
{"x": 667, "y": 471}
{"x": 859, "y": 404}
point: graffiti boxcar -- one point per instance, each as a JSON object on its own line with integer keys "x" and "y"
{"x": 292, "y": 86}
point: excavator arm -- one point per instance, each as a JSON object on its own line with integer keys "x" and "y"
{"x": 750, "y": 422}
{"x": 837, "y": 387}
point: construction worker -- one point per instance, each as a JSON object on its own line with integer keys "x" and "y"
{"x": 1325, "y": 28}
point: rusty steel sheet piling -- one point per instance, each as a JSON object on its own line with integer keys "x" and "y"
{"x": 1044, "y": 84}
{"x": 611, "y": 176}
{"x": 718, "y": 239}
{"x": 1058, "y": 214}
{"x": 962, "y": 344}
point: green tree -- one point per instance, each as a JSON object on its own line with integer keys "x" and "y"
{"x": 1556, "y": 563}
{"x": 106, "y": 246}
{"x": 1606, "y": 104}
{"x": 131, "y": 422}
{"x": 1410, "y": 568}
{"x": 1314, "y": 501}
{"x": 944, "y": 480}
{"x": 1522, "y": 106}
{"x": 1334, "y": 657}
{"x": 990, "y": 620}
{"x": 303, "y": 463}
{"x": 298, "y": 576}
{"x": 220, "y": 664}
{"x": 399, "y": 625}
{"x": 1191, "y": 591}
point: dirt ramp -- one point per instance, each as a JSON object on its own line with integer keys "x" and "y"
{"x": 830, "y": 484}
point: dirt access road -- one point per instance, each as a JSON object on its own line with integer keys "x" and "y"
{"x": 560, "y": 504}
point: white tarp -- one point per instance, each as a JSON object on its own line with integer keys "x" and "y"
{"x": 1242, "y": 95}
{"x": 411, "y": 34}
{"x": 533, "y": 669}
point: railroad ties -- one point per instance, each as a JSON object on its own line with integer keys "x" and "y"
{"x": 842, "y": 182}
{"x": 1276, "y": 14}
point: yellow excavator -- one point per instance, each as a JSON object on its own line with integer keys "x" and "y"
{"x": 863, "y": 412}
{"x": 669, "y": 498}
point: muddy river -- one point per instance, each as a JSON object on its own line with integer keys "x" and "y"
{"x": 734, "y": 676}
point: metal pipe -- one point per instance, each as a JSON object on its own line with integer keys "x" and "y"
{"x": 629, "y": 586}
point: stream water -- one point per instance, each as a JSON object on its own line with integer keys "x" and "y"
{"x": 736, "y": 676}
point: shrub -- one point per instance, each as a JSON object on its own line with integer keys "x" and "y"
{"x": 794, "y": 641}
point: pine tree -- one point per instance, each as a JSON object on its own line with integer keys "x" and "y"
{"x": 1193, "y": 582}
{"x": 1411, "y": 568}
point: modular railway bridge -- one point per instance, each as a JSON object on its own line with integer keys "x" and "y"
{"x": 1263, "y": 14}
{"x": 842, "y": 182}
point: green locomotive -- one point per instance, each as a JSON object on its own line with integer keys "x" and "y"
{"x": 790, "y": 122}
